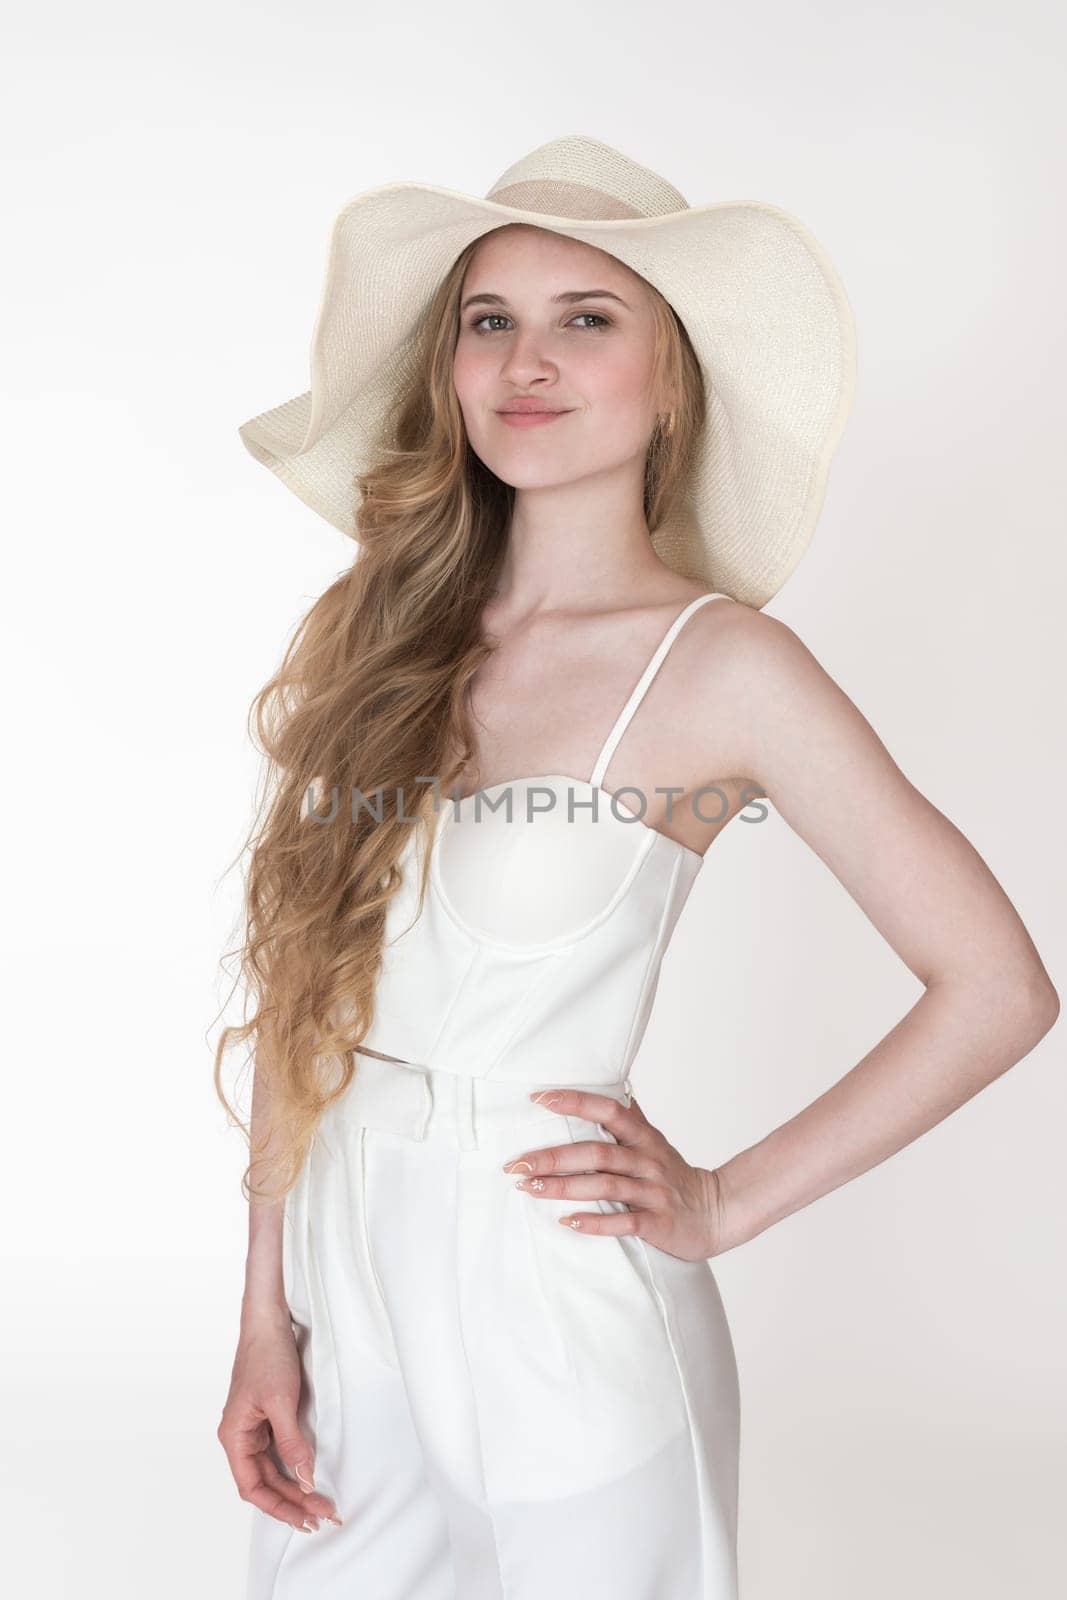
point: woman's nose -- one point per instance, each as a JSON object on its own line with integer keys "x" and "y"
{"x": 528, "y": 358}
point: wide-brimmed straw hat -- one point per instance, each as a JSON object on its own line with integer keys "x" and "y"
{"x": 762, "y": 304}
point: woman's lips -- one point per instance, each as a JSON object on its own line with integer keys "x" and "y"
{"x": 530, "y": 419}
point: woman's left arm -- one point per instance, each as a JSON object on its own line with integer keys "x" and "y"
{"x": 987, "y": 997}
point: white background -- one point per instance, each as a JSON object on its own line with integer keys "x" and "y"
{"x": 169, "y": 178}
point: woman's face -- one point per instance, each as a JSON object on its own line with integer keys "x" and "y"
{"x": 531, "y": 329}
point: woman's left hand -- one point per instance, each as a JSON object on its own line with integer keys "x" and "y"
{"x": 672, "y": 1205}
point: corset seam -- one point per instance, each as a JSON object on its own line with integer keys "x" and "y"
{"x": 653, "y": 963}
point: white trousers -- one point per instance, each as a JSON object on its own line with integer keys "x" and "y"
{"x": 502, "y": 1408}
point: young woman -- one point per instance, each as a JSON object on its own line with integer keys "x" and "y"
{"x": 581, "y": 433}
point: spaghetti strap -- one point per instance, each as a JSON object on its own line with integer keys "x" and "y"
{"x": 623, "y": 720}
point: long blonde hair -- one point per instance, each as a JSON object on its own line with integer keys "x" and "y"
{"x": 371, "y": 696}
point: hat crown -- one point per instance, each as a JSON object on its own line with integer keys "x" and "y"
{"x": 581, "y": 177}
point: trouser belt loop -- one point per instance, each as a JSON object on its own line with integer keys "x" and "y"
{"x": 422, "y": 1121}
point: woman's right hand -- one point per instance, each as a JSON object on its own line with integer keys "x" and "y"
{"x": 261, "y": 1411}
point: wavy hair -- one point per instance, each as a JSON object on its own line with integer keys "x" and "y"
{"x": 372, "y": 695}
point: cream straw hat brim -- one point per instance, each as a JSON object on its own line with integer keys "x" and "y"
{"x": 763, "y": 306}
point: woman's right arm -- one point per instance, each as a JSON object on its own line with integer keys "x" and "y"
{"x": 259, "y": 1426}
{"x": 264, "y": 1294}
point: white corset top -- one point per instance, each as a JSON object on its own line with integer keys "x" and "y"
{"x": 549, "y": 906}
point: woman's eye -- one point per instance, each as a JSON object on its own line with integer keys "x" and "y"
{"x": 498, "y": 316}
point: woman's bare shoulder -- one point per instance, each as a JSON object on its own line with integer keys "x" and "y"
{"x": 736, "y": 648}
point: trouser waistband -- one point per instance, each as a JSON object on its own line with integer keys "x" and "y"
{"x": 422, "y": 1102}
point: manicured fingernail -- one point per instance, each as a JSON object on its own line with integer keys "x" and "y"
{"x": 571, "y": 1222}
{"x": 513, "y": 1166}
{"x": 304, "y": 1481}
{"x": 335, "y": 1520}
{"x": 546, "y": 1097}
{"x": 308, "y": 1525}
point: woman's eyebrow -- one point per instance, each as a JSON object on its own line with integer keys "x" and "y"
{"x": 567, "y": 297}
